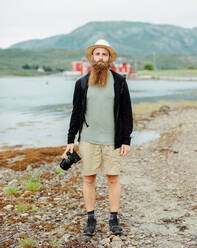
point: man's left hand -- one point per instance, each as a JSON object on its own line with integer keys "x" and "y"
{"x": 124, "y": 150}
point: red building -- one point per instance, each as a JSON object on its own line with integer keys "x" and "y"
{"x": 84, "y": 66}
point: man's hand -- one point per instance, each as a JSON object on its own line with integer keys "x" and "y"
{"x": 70, "y": 148}
{"x": 124, "y": 150}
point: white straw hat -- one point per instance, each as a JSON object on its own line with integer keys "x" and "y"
{"x": 103, "y": 44}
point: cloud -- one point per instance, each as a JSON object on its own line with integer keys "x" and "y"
{"x": 23, "y": 20}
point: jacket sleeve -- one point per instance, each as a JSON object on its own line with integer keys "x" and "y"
{"x": 75, "y": 115}
{"x": 127, "y": 115}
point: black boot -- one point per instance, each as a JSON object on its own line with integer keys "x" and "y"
{"x": 114, "y": 226}
{"x": 90, "y": 227}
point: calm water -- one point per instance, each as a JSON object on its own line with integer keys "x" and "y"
{"x": 35, "y": 111}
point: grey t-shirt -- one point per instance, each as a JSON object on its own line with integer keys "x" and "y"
{"x": 100, "y": 114}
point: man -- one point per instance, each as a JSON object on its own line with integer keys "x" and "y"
{"x": 102, "y": 114}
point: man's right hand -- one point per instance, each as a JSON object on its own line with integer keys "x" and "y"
{"x": 69, "y": 148}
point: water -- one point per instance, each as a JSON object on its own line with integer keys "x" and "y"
{"x": 35, "y": 111}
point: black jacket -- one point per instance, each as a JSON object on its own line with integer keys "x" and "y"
{"x": 122, "y": 110}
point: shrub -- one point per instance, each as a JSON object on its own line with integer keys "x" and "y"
{"x": 26, "y": 67}
{"x": 47, "y": 68}
{"x": 148, "y": 66}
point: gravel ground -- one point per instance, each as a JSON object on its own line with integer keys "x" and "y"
{"x": 158, "y": 202}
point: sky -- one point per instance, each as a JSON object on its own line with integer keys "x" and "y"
{"x": 22, "y": 20}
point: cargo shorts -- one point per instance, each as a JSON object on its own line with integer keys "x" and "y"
{"x": 94, "y": 156}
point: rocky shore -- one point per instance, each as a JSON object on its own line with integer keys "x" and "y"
{"x": 159, "y": 195}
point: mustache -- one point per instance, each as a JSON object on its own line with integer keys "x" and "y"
{"x": 98, "y": 67}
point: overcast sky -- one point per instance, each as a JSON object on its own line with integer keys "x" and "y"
{"x": 29, "y": 19}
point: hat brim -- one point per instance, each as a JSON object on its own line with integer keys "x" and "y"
{"x": 90, "y": 49}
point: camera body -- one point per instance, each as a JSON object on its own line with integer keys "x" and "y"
{"x": 66, "y": 163}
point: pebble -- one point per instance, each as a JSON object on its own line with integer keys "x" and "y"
{"x": 8, "y": 207}
{"x": 14, "y": 181}
{"x": 66, "y": 237}
{"x": 25, "y": 214}
{"x": 116, "y": 242}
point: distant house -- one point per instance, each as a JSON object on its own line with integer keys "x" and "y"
{"x": 84, "y": 66}
{"x": 40, "y": 69}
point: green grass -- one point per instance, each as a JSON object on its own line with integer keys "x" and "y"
{"x": 58, "y": 170}
{"x": 11, "y": 190}
{"x": 31, "y": 183}
{"x": 21, "y": 207}
{"x": 34, "y": 208}
{"x": 33, "y": 186}
{"x": 27, "y": 243}
{"x": 55, "y": 243}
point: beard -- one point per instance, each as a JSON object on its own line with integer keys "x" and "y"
{"x": 99, "y": 74}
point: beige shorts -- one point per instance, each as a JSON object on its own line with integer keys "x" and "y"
{"x": 93, "y": 156}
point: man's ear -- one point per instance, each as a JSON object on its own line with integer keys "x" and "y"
{"x": 92, "y": 59}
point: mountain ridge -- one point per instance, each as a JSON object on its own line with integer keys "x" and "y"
{"x": 129, "y": 38}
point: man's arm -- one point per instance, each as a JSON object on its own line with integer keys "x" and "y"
{"x": 75, "y": 115}
{"x": 127, "y": 115}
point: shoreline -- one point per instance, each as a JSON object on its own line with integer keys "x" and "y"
{"x": 133, "y": 76}
{"x": 164, "y": 78}
{"x": 140, "y": 111}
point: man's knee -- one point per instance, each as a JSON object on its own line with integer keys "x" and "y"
{"x": 89, "y": 179}
{"x": 113, "y": 179}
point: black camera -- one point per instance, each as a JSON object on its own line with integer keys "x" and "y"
{"x": 66, "y": 163}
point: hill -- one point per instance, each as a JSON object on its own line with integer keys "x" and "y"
{"x": 128, "y": 38}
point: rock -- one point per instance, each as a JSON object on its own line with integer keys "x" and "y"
{"x": 66, "y": 237}
{"x": 13, "y": 182}
{"x": 44, "y": 198}
{"x": 105, "y": 241}
{"x": 25, "y": 214}
{"x": 29, "y": 168}
{"x": 38, "y": 216}
{"x": 8, "y": 207}
{"x": 116, "y": 242}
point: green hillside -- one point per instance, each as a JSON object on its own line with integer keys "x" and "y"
{"x": 13, "y": 60}
{"x": 128, "y": 38}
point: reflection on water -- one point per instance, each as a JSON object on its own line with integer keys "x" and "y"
{"x": 34, "y": 113}
{"x": 138, "y": 138}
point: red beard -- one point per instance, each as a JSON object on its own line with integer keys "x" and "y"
{"x": 99, "y": 74}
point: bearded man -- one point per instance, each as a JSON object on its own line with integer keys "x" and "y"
{"x": 102, "y": 114}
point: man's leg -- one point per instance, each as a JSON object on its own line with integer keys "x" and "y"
{"x": 114, "y": 192}
{"x": 89, "y": 195}
{"x": 114, "y": 200}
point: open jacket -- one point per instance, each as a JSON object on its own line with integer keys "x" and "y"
{"x": 123, "y": 118}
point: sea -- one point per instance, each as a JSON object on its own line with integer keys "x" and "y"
{"x": 35, "y": 111}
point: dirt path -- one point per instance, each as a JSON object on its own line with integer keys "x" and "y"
{"x": 161, "y": 182}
